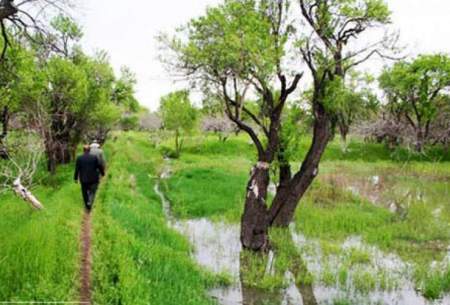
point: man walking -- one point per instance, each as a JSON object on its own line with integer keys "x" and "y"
{"x": 97, "y": 151}
{"x": 88, "y": 170}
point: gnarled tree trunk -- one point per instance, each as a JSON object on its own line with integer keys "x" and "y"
{"x": 288, "y": 196}
{"x": 254, "y": 225}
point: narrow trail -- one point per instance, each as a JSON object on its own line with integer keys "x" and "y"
{"x": 86, "y": 261}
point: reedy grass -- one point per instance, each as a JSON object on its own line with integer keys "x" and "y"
{"x": 39, "y": 252}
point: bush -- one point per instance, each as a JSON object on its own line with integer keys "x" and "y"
{"x": 168, "y": 152}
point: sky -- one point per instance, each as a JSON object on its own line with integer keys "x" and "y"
{"x": 127, "y": 31}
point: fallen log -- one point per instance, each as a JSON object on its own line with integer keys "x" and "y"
{"x": 26, "y": 195}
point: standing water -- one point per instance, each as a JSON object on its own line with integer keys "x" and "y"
{"x": 216, "y": 246}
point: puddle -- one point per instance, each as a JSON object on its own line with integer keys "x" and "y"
{"x": 216, "y": 247}
{"x": 391, "y": 191}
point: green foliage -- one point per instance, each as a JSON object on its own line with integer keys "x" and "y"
{"x": 436, "y": 283}
{"x": 17, "y": 77}
{"x": 186, "y": 191}
{"x": 294, "y": 127}
{"x": 342, "y": 14}
{"x": 123, "y": 91}
{"x": 328, "y": 213}
{"x": 68, "y": 86}
{"x": 66, "y": 94}
{"x": 68, "y": 29}
{"x": 129, "y": 122}
{"x": 417, "y": 85}
{"x": 233, "y": 36}
{"x": 177, "y": 112}
{"x": 178, "y": 115}
{"x": 168, "y": 152}
{"x": 374, "y": 10}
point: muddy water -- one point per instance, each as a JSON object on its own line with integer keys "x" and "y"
{"x": 216, "y": 246}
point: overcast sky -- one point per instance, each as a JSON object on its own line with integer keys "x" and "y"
{"x": 127, "y": 30}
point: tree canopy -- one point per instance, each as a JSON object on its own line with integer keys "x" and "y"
{"x": 416, "y": 91}
{"x": 178, "y": 115}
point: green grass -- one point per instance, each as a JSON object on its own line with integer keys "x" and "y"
{"x": 138, "y": 259}
{"x": 436, "y": 284}
{"x": 286, "y": 258}
{"x": 39, "y": 252}
{"x": 225, "y": 189}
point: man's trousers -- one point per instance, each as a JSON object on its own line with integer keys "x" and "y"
{"x": 89, "y": 190}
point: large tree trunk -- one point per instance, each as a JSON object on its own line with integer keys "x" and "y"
{"x": 4, "y": 122}
{"x": 254, "y": 225}
{"x": 287, "y": 198}
{"x": 59, "y": 141}
{"x": 57, "y": 153}
{"x": 420, "y": 140}
{"x": 63, "y": 153}
{"x": 177, "y": 143}
{"x": 344, "y": 130}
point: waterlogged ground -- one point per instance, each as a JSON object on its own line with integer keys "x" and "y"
{"x": 342, "y": 270}
{"x": 395, "y": 188}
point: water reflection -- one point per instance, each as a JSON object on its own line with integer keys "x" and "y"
{"x": 217, "y": 248}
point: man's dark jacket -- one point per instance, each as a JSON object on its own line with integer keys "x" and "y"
{"x": 88, "y": 169}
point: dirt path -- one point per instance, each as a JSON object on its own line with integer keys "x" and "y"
{"x": 86, "y": 262}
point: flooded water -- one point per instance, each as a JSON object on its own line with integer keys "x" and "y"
{"x": 216, "y": 247}
{"x": 393, "y": 191}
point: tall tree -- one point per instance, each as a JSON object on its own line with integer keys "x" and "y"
{"x": 67, "y": 95}
{"x": 329, "y": 52}
{"x": 414, "y": 91}
{"x": 355, "y": 101}
{"x": 14, "y": 71}
{"x": 178, "y": 115}
{"x": 241, "y": 48}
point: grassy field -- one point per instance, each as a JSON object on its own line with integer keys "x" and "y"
{"x": 347, "y": 216}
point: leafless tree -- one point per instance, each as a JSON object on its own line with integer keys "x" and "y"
{"x": 27, "y": 17}
{"x": 221, "y": 126}
{"x": 385, "y": 129}
{"x": 150, "y": 122}
{"x": 396, "y": 130}
{"x": 440, "y": 132}
{"x": 17, "y": 173}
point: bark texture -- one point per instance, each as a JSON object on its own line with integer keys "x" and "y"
{"x": 5, "y": 124}
{"x": 288, "y": 195}
{"x": 254, "y": 226}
